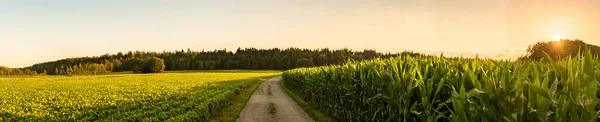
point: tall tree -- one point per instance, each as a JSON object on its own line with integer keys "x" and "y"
{"x": 154, "y": 65}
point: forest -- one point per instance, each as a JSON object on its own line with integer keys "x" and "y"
{"x": 248, "y": 58}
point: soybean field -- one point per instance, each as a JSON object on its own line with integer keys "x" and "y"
{"x": 192, "y": 96}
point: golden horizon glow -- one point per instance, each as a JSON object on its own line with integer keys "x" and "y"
{"x": 34, "y": 31}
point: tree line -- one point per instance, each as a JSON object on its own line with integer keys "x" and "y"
{"x": 18, "y": 71}
{"x": 248, "y": 58}
{"x": 137, "y": 65}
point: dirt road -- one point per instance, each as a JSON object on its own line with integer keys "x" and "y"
{"x": 257, "y": 109}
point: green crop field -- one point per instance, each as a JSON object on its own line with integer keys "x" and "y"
{"x": 193, "y": 96}
{"x": 440, "y": 89}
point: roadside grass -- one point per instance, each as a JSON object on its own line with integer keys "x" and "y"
{"x": 270, "y": 93}
{"x": 316, "y": 115}
{"x": 272, "y": 108}
{"x": 232, "y": 112}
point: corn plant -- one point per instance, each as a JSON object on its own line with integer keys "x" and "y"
{"x": 431, "y": 88}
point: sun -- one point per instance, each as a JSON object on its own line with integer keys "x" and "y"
{"x": 557, "y": 37}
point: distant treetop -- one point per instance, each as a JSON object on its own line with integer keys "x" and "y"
{"x": 558, "y": 49}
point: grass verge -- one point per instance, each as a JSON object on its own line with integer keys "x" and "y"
{"x": 232, "y": 112}
{"x": 317, "y": 116}
{"x": 270, "y": 93}
{"x": 272, "y": 108}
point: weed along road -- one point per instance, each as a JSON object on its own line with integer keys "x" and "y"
{"x": 269, "y": 104}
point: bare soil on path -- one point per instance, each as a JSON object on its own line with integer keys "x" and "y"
{"x": 257, "y": 108}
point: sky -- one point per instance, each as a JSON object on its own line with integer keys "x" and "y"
{"x": 35, "y": 31}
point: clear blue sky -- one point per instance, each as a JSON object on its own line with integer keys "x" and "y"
{"x": 34, "y": 31}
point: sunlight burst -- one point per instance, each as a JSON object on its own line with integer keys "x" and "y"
{"x": 557, "y": 37}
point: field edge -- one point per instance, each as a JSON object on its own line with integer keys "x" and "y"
{"x": 316, "y": 115}
{"x": 231, "y": 112}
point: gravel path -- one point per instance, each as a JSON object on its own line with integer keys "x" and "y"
{"x": 257, "y": 108}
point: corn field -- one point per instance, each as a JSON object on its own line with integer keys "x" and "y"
{"x": 432, "y": 88}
